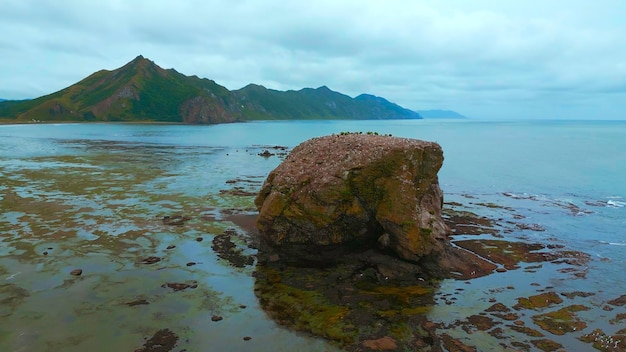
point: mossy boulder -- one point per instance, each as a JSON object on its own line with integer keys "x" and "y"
{"x": 349, "y": 192}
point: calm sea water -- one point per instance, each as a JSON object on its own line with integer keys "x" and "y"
{"x": 92, "y": 196}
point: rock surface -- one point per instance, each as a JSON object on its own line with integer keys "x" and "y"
{"x": 343, "y": 193}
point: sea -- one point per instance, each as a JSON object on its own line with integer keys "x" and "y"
{"x": 96, "y": 197}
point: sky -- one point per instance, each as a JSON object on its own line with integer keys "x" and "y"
{"x": 557, "y": 59}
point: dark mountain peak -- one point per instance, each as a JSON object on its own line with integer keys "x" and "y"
{"x": 143, "y": 65}
{"x": 323, "y": 89}
{"x": 139, "y": 61}
{"x": 253, "y": 86}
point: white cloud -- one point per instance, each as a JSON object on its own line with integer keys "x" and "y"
{"x": 482, "y": 58}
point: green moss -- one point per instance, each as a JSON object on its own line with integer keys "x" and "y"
{"x": 538, "y": 301}
{"x": 526, "y": 330}
{"x": 561, "y": 321}
{"x": 405, "y": 311}
{"x": 304, "y": 310}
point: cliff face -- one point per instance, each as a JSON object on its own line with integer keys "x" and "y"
{"x": 352, "y": 192}
{"x": 143, "y": 91}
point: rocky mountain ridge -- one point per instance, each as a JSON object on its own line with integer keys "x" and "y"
{"x": 143, "y": 91}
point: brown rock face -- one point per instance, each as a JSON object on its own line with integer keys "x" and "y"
{"x": 343, "y": 193}
{"x": 206, "y": 110}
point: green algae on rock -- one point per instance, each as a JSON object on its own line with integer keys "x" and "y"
{"x": 342, "y": 192}
{"x": 547, "y": 345}
{"x": 561, "y": 321}
{"x": 346, "y": 304}
{"x": 542, "y": 300}
{"x": 511, "y": 253}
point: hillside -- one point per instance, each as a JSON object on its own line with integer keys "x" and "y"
{"x": 143, "y": 91}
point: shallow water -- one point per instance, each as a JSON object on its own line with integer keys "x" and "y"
{"x": 93, "y": 196}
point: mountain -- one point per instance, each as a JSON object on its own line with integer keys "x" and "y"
{"x": 143, "y": 91}
{"x": 140, "y": 90}
{"x": 440, "y": 114}
{"x": 322, "y": 103}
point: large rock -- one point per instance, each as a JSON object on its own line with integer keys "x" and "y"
{"x": 345, "y": 193}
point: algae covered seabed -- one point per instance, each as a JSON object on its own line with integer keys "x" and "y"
{"x": 140, "y": 220}
{"x": 122, "y": 237}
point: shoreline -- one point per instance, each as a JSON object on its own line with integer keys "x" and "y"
{"x": 143, "y": 227}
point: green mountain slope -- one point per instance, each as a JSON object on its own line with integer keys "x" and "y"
{"x": 143, "y": 91}
{"x": 321, "y": 103}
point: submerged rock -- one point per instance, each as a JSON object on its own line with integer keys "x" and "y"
{"x": 343, "y": 193}
{"x": 163, "y": 340}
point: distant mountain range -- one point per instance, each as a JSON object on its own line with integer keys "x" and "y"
{"x": 143, "y": 91}
{"x": 440, "y": 114}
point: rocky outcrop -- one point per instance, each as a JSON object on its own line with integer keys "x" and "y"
{"x": 206, "y": 110}
{"x": 344, "y": 193}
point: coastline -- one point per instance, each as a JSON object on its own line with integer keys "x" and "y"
{"x": 92, "y": 199}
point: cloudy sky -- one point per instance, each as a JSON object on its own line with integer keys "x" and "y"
{"x": 485, "y": 59}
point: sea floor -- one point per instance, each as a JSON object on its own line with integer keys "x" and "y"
{"x": 125, "y": 247}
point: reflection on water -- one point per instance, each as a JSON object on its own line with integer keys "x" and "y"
{"x": 94, "y": 197}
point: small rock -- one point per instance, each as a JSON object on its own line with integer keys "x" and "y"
{"x": 171, "y": 246}
{"x": 176, "y": 286}
{"x": 199, "y": 239}
{"x": 163, "y": 340}
{"x": 45, "y": 253}
{"x": 151, "y": 260}
{"x": 498, "y": 307}
{"x": 76, "y": 272}
{"x": 138, "y": 302}
{"x": 191, "y": 264}
{"x": 266, "y": 154}
{"x": 382, "y": 344}
{"x": 620, "y": 301}
{"x": 247, "y": 338}
{"x": 176, "y": 220}
{"x": 216, "y": 318}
